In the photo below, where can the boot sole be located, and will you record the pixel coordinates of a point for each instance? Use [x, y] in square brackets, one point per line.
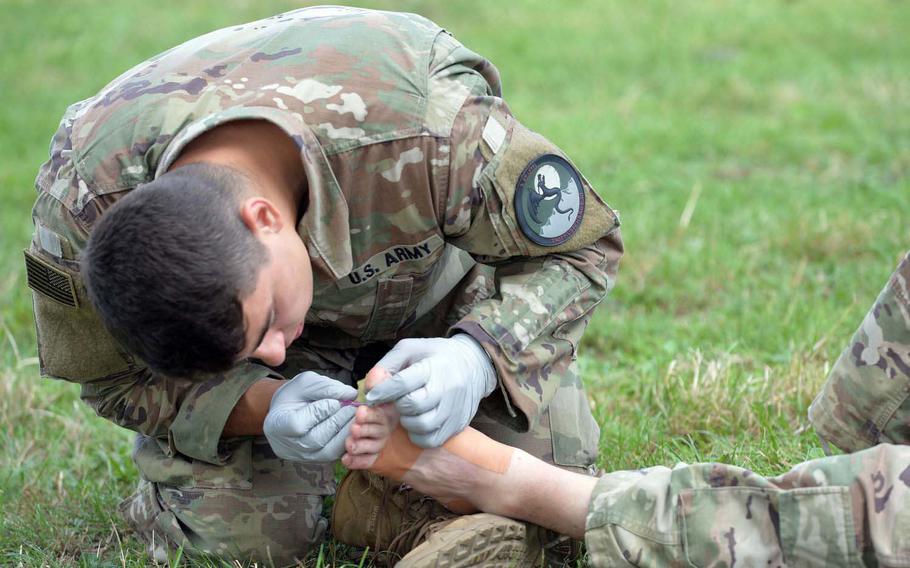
[494, 542]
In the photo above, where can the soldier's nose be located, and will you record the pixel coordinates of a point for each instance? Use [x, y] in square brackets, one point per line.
[271, 351]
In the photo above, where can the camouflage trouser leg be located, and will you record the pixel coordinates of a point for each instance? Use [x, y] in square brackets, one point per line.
[847, 510]
[255, 507]
[866, 399]
[566, 434]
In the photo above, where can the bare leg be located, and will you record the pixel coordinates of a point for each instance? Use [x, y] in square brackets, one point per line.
[470, 468]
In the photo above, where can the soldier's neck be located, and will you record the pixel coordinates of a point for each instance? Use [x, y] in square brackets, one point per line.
[263, 152]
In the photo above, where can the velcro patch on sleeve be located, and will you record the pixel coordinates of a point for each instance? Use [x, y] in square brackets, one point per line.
[494, 134]
[50, 281]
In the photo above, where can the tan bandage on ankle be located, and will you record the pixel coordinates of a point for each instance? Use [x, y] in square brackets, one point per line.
[480, 450]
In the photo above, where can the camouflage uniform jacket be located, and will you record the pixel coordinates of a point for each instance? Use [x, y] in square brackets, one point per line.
[413, 163]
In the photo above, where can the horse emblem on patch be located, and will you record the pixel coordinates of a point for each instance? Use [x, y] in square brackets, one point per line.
[549, 200]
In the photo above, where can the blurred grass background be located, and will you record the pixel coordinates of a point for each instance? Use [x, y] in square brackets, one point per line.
[758, 153]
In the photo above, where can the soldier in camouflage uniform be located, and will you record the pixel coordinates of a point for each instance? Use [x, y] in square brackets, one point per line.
[845, 510]
[431, 211]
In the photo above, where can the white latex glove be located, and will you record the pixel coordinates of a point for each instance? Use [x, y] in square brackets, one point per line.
[436, 385]
[306, 421]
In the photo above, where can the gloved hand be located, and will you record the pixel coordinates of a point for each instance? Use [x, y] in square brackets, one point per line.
[436, 385]
[306, 421]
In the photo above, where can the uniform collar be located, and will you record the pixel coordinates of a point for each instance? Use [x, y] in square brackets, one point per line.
[324, 227]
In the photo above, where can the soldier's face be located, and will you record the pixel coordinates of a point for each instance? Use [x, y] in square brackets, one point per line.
[275, 311]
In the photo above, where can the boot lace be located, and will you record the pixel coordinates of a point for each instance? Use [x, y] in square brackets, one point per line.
[422, 517]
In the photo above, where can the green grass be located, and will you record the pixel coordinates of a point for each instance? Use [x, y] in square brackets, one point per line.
[758, 152]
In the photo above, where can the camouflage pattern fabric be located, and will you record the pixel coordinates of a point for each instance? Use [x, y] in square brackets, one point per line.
[848, 510]
[251, 507]
[566, 433]
[255, 508]
[864, 401]
[412, 160]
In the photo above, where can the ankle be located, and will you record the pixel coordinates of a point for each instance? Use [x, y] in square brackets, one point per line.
[502, 493]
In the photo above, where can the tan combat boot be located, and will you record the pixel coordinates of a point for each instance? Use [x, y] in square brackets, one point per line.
[400, 523]
[384, 515]
[481, 540]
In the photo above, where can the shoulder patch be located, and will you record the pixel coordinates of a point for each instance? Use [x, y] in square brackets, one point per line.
[49, 281]
[549, 200]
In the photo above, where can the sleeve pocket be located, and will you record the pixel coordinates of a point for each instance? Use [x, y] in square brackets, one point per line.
[539, 201]
[72, 343]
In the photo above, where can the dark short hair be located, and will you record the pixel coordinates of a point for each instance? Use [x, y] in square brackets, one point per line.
[168, 265]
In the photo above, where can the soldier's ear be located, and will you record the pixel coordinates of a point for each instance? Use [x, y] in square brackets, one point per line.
[260, 216]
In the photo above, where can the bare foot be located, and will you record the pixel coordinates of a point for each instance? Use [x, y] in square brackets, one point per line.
[372, 428]
[454, 473]
[469, 472]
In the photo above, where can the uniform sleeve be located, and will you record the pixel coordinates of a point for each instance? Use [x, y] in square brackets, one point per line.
[74, 346]
[517, 202]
